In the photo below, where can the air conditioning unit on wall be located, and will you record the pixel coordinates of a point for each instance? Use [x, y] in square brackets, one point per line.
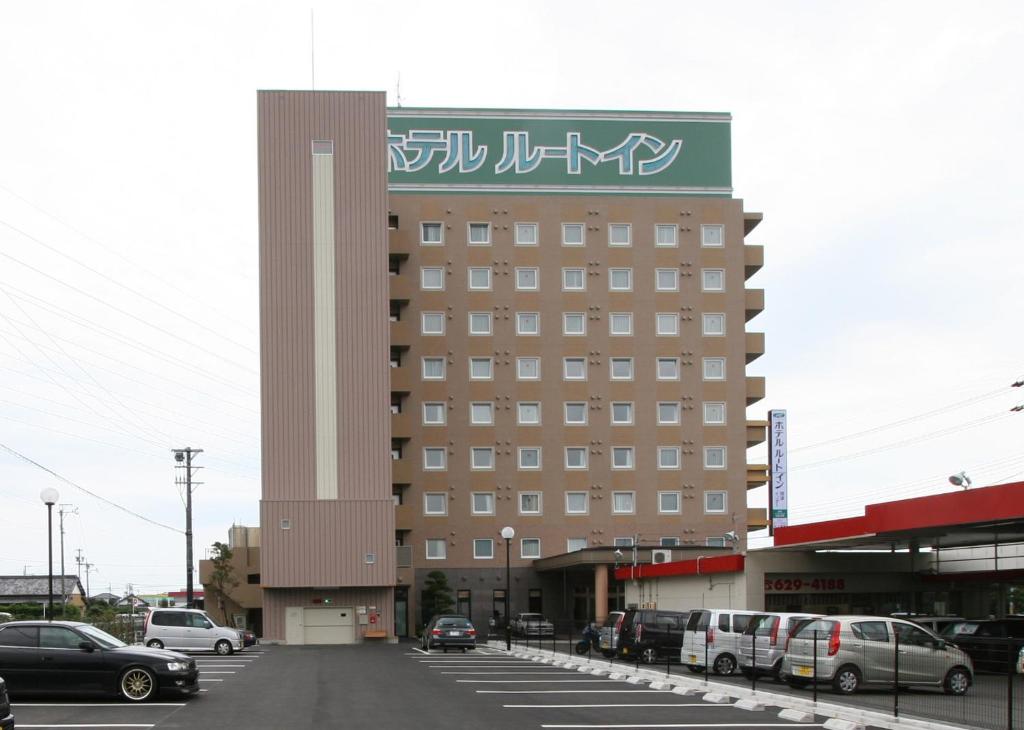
[661, 556]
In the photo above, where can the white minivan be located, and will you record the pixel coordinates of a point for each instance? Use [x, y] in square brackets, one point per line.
[711, 639]
[189, 629]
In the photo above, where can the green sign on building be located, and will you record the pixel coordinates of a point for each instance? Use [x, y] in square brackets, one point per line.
[510, 151]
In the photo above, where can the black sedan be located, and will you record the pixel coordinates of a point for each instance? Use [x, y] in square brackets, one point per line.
[67, 656]
[449, 631]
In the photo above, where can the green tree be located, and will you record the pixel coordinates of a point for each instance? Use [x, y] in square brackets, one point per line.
[222, 577]
[437, 594]
[72, 612]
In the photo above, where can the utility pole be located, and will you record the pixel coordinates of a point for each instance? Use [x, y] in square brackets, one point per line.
[80, 561]
[70, 509]
[183, 459]
[88, 569]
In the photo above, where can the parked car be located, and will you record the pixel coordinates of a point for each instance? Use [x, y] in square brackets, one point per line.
[449, 631]
[189, 629]
[532, 624]
[651, 633]
[992, 644]
[935, 624]
[712, 639]
[858, 651]
[248, 638]
[766, 634]
[609, 639]
[6, 718]
[69, 656]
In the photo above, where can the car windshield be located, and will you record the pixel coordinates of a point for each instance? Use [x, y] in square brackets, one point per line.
[960, 628]
[101, 637]
[612, 620]
[459, 623]
[823, 627]
[532, 617]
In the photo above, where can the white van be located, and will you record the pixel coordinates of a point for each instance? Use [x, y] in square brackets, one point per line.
[712, 639]
[189, 629]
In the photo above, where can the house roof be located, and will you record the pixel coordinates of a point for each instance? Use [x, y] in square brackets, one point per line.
[36, 585]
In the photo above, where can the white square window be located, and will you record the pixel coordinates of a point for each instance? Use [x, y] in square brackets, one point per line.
[622, 414]
[572, 234]
[481, 368]
[666, 279]
[715, 502]
[714, 368]
[483, 503]
[527, 323]
[668, 502]
[623, 503]
[712, 236]
[668, 368]
[621, 368]
[577, 503]
[620, 324]
[481, 457]
[435, 503]
[528, 414]
[714, 542]
[575, 457]
[434, 458]
[529, 548]
[666, 324]
[432, 323]
[479, 234]
[620, 279]
[712, 279]
[714, 414]
[574, 324]
[481, 414]
[714, 457]
[526, 234]
[622, 457]
[433, 414]
[574, 368]
[528, 368]
[479, 278]
[527, 278]
[529, 457]
[666, 235]
[713, 325]
[619, 234]
[431, 234]
[431, 278]
[668, 457]
[529, 503]
[575, 414]
[573, 544]
[483, 549]
[573, 280]
[668, 413]
[479, 323]
[433, 368]
[436, 549]
[622, 542]
[669, 542]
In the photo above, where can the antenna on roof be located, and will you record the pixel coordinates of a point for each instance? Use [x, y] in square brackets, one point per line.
[398, 91]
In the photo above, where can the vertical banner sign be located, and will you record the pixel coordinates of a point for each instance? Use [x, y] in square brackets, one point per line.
[778, 470]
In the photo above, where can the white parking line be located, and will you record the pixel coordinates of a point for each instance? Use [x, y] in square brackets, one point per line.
[94, 704]
[419, 650]
[539, 681]
[567, 691]
[220, 666]
[210, 680]
[638, 704]
[744, 725]
[205, 672]
[86, 725]
[500, 674]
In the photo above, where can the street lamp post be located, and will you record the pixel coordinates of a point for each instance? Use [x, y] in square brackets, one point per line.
[508, 533]
[50, 496]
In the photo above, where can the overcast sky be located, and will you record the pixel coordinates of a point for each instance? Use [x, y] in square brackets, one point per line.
[882, 141]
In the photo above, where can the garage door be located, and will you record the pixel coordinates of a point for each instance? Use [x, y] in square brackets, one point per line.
[328, 625]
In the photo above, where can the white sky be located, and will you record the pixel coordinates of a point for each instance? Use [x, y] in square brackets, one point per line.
[882, 141]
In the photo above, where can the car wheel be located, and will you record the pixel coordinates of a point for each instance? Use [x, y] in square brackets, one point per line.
[725, 665]
[223, 647]
[649, 655]
[847, 680]
[155, 644]
[137, 684]
[957, 681]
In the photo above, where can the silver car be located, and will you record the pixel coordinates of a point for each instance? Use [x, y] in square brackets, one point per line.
[532, 624]
[767, 633]
[857, 651]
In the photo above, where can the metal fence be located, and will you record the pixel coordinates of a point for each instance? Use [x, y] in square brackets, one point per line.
[976, 683]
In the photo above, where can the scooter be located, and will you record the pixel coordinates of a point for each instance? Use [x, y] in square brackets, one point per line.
[591, 639]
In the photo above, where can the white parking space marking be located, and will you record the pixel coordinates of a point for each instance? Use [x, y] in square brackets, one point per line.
[419, 650]
[221, 666]
[87, 725]
[744, 725]
[568, 691]
[228, 672]
[639, 704]
[540, 681]
[93, 704]
[210, 680]
[501, 674]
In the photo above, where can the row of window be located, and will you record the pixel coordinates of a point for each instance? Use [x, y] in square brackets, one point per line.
[527, 278]
[481, 324]
[573, 368]
[435, 504]
[481, 458]
[528, 413]
[478, 233]
[530, 547]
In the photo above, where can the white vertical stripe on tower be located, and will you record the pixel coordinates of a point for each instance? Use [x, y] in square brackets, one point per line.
[324, 332]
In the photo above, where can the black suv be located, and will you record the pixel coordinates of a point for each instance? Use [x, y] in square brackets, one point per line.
[651, 634]
[992, 644]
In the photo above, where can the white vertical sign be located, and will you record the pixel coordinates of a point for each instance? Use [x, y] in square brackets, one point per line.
[778, 469]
